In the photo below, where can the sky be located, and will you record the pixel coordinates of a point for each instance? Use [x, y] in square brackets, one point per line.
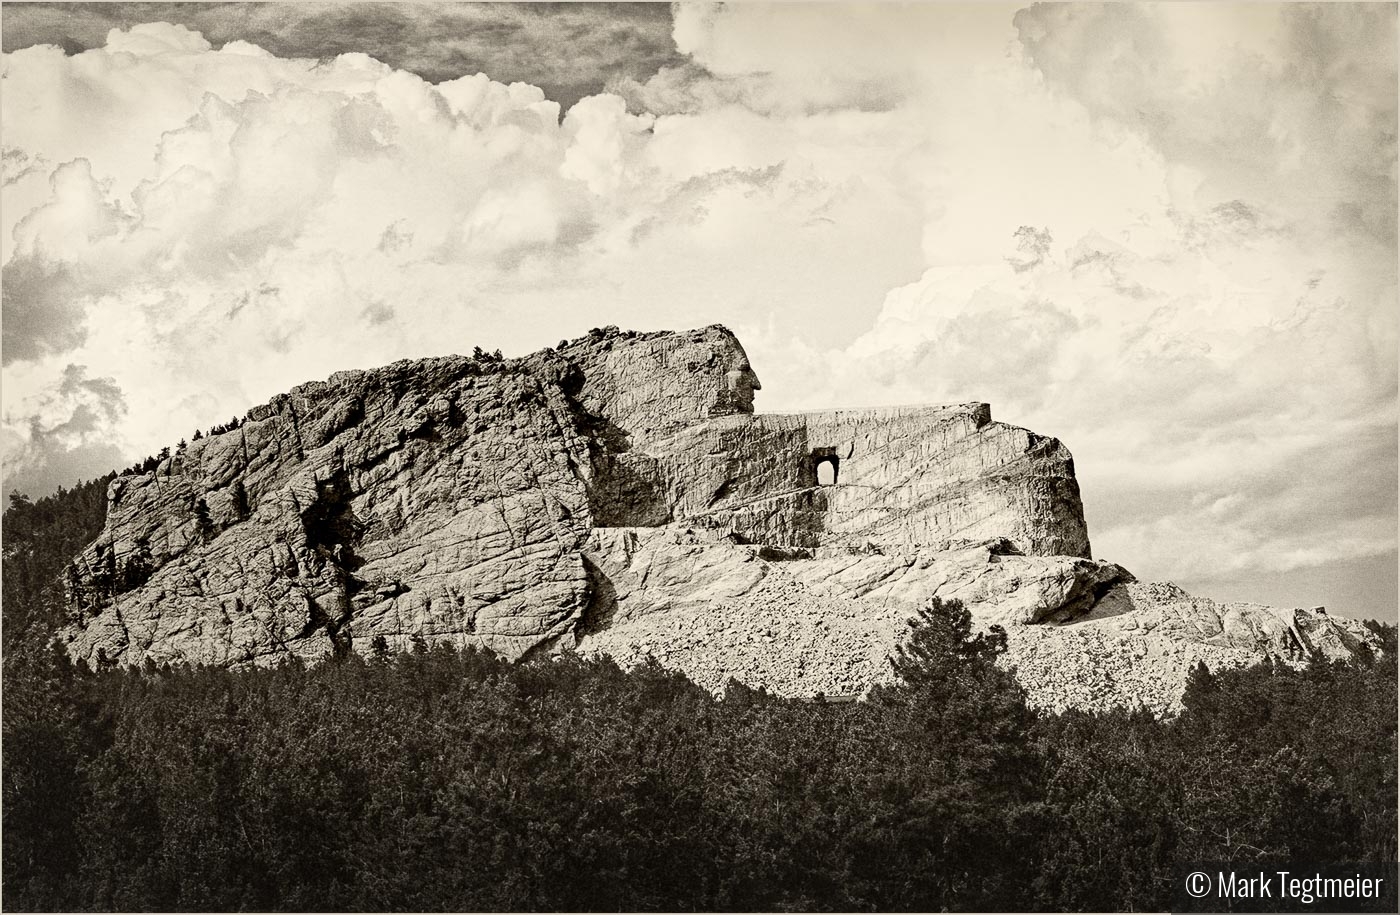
[1163, 233]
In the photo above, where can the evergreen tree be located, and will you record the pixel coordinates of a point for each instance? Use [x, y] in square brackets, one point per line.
[203, 524]
[943, 644]
[239, 498]
[136, 570]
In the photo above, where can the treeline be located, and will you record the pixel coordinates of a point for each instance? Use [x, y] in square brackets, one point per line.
[443, 780]
[40, 538]
[152, 462]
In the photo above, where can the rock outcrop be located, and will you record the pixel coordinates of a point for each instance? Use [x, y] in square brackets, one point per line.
[1082, 633]
[618, 493]
[1139, 642]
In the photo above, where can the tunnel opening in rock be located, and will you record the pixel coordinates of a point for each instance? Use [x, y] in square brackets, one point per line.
[826, 464]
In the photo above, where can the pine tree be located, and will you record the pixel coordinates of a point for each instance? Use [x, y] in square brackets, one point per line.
[943, 644]
[1202, 693]
[239, 496]
[204, 525]
[74, 582]
[137, 568]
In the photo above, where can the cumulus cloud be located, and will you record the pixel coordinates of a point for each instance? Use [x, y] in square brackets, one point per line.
[806, 58]
[64, 434]
[568, 50]
[1164, 234]
[41, 313]
[1292, 104]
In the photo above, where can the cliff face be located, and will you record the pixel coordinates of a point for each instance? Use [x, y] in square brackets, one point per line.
[902, 478]
[440, 497]
[507, 503]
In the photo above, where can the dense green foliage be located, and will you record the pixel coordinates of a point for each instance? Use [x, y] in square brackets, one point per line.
[447, 780]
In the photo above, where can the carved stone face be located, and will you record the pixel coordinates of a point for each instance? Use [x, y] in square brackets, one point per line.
[740, 381]
[649, 385]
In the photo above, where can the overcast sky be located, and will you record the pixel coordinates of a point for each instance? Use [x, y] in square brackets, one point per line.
[1162, 233]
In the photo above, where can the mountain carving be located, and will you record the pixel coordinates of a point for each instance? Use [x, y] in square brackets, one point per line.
[618, 493]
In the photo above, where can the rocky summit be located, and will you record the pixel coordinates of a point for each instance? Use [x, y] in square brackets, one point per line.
[618, 494]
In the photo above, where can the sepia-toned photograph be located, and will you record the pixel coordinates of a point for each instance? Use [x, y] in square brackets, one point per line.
[721, 457]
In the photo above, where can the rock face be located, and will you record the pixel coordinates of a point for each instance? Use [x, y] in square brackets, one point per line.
[617, 493]
[904, 478]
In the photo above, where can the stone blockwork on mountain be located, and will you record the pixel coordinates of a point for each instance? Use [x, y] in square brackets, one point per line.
[617, 493]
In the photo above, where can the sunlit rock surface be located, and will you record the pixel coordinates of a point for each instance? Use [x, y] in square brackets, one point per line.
[618, 494]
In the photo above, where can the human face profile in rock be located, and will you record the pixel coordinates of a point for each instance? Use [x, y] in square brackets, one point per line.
[740, 384]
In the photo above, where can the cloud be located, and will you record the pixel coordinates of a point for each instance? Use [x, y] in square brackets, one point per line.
[52, 259]
[41, 313]
[1293, 104]
[64, 435]
[807, 58]
[569, 50]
